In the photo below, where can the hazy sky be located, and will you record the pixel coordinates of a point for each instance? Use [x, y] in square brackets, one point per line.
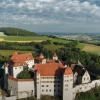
[51, 15]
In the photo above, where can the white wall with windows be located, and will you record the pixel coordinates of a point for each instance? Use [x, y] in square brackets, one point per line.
[51, 85]
[17, 70]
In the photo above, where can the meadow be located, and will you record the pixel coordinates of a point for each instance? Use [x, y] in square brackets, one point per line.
[38, 39]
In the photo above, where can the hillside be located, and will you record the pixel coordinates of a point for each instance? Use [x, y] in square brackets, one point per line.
[16, 32]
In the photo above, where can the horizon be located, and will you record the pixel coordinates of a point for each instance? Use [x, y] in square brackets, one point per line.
[50, 32]
[71, 16]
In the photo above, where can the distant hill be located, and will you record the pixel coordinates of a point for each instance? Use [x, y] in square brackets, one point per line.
[17, 32]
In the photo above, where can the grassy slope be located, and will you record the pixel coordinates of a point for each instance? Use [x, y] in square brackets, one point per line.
[30, 39]
[16, 32]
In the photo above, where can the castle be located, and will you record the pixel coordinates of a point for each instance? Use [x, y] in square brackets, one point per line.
[51, 77]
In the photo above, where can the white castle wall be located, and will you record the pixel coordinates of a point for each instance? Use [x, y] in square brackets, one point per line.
[85, 87]
[17, 70]
[50, 85]
[21, 88]
[68, 87]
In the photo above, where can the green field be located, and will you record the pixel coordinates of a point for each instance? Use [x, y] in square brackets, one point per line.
[85, 47]
[31, 39]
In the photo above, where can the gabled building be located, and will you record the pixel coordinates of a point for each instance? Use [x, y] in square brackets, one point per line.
[18, 62]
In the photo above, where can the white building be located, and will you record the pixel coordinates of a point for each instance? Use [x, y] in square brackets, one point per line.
[18, 62]
[22, 88]
[50, 78]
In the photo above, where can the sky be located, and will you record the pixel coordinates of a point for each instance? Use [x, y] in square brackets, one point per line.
[82, 16]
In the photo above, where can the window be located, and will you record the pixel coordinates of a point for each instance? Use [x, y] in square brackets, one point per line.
[46, 85]
[67, 80]
[42, 90]
[66, 85]
[42, 85]
[87, 78]
[50, 90]
[46, 90]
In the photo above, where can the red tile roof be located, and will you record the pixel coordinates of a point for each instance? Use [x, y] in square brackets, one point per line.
[21, 57]
[52, 69]
[49, 69]
[68, 71]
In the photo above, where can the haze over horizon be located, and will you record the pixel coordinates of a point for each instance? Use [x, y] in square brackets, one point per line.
[51, 15]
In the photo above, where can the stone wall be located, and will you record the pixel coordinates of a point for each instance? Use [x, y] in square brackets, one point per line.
[22, 88]
[85, 87]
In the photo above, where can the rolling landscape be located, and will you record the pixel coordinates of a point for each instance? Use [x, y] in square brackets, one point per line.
[22, 36]
[70, 48]
[49, 49]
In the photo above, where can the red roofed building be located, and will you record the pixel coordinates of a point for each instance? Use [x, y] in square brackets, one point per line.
[18, 62]
[50, 78]
[49, 69]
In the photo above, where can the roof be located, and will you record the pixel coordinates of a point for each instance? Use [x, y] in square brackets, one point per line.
[55, 55]
[49, 69]
[19, 64]
[79, 69]
[40, 57]
[21, 57]
[68, 71]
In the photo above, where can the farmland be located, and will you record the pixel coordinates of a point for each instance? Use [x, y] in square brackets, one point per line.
[91, 48]
[38, 39]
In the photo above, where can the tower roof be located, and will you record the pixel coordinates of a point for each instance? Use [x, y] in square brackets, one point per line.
[68, 71]
[41, 56]
[55, 55]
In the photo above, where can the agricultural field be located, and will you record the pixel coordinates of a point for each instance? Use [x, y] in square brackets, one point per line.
[23, 39]
[91, 48]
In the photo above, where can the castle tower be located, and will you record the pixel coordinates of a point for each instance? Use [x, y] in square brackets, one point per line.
[55, 57]
[68, 84]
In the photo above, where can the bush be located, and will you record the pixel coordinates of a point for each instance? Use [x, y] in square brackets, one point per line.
[24, 75]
